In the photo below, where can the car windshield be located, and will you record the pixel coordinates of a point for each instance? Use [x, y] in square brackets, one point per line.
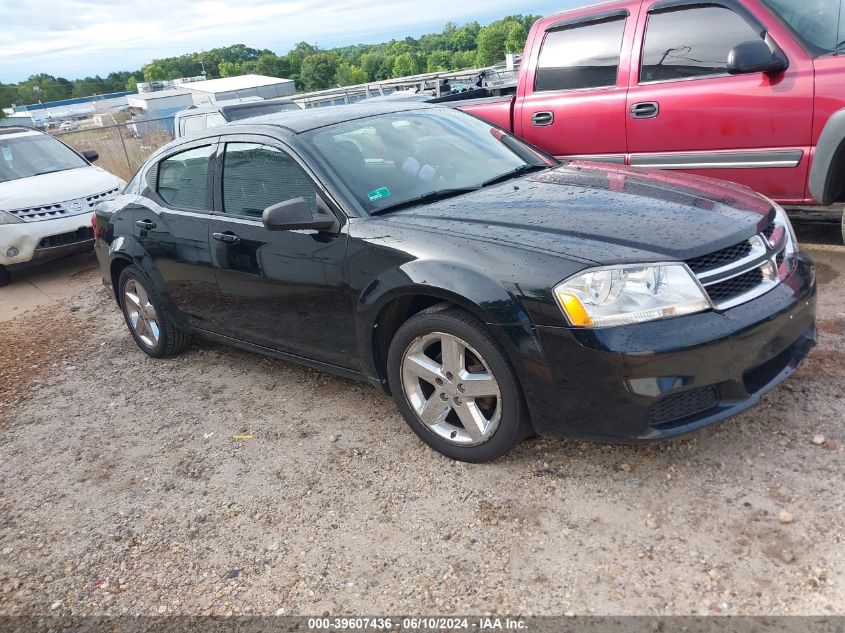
[34, 154]
[236, 114]
[392, 160]
[817, 23]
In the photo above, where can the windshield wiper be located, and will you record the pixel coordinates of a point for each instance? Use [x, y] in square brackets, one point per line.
[426, 198]
[522, 169]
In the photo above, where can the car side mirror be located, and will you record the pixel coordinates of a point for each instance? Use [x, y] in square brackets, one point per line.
[296, 215]
[754, 57]
[90, 155]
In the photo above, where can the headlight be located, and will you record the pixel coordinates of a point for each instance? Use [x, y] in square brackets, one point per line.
[781, 219]
[620, 295]
[8, 218]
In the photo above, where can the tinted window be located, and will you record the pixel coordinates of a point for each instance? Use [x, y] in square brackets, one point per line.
[581, 56]
[692, 42]
[817, 23]
[182, 179]
[257, 176]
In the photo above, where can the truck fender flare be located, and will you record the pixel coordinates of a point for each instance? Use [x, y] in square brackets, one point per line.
[829, 155]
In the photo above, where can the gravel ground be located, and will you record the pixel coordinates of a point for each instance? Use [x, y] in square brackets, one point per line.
[223, 482]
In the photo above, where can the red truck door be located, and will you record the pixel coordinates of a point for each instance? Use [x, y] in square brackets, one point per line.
[571, 97]
[684, 111]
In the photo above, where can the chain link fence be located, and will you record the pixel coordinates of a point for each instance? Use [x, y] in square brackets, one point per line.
[122, 147]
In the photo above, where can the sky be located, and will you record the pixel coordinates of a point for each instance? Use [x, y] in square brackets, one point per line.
[78, 38]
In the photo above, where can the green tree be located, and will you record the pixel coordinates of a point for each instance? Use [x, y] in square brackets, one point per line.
[349, 75]
[8, 95]
[503, 36]
[437, 61]
[131, 85]
[377, 65]
[229, 69]
[154, 72]
[405, 65]
[272, 65]
[318, 71]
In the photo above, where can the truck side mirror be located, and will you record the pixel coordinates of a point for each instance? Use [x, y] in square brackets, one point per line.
[296, 215]
[754, 57]
[90, 155]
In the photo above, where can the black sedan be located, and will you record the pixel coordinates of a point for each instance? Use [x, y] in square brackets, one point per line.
[494, 292]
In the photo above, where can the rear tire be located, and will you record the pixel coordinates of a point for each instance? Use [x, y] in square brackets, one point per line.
[149, 321]
[5, 276]
[455, 386]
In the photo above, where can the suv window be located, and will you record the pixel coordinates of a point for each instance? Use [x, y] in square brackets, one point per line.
[183, 178]
[817, 23]
[191, 124]
[691, 42]
[580, 56]
[258, 176]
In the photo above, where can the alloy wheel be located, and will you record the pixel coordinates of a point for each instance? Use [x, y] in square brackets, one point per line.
[141, 314]
[451, 389]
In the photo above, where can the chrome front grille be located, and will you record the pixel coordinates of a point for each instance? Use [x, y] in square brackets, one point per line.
[62, 209]
[746, 270]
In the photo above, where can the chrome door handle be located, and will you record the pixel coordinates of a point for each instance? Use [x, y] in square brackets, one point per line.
[645, 110]
[147, 225]
[226, 238]
[542, 119]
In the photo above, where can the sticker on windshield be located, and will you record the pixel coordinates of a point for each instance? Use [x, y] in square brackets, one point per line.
[379, 194]
[7, 154]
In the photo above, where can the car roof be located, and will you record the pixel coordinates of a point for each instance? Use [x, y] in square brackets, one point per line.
[313, 118]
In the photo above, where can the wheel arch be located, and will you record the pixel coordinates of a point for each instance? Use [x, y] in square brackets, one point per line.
[125, 252]
[827, 172]
[383, 307]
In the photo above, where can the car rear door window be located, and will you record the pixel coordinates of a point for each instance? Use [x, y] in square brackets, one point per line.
[580, 56]
[691, 42]
[183, 179]
[258, 176]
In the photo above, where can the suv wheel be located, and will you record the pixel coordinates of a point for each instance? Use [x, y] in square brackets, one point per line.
[5, 276]
[455, 387]
[149, 322]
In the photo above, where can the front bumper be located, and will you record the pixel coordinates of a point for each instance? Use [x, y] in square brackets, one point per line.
[47, 239]
[665, 378]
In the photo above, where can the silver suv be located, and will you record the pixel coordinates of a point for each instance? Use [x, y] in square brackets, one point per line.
[198, 118]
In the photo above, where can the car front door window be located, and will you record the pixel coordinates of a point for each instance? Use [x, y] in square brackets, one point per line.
[257, 176]
[689, 43]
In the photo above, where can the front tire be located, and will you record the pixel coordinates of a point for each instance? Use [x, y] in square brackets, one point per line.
[5, 276]
[149, 322]
[455, 386]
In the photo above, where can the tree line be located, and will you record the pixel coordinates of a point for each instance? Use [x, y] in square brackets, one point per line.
[313, 68]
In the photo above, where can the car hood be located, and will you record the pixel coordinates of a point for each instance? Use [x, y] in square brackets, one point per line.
[602, 213]
[59, 186]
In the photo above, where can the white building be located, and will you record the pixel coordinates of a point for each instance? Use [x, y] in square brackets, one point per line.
[165, 101]
[234, 88]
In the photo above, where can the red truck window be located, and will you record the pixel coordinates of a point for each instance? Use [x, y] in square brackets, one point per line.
[580, 56]
[687, 43]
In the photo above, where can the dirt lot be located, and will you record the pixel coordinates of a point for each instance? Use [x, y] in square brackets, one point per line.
[126, 490]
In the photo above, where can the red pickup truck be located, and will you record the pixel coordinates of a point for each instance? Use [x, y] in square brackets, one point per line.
[746, 90]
